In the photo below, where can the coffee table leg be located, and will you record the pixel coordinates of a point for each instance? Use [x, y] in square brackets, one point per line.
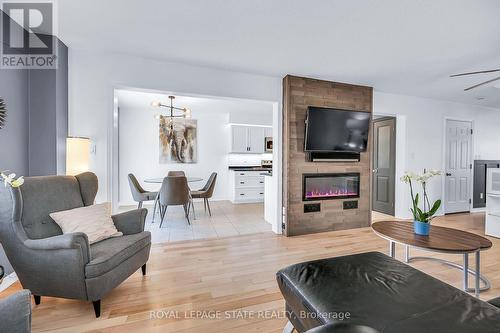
[478, 271]
[407, 254]
[392, 249]
[466, 271]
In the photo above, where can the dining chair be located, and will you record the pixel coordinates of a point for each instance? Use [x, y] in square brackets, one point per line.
[139, 194]
[174, 191]
[176, 174]
[206, 192]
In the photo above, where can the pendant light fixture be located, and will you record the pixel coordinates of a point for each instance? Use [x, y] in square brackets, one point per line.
[175, 112]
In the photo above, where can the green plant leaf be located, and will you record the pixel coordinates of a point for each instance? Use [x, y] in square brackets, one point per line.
[416, 199]
[435, 207]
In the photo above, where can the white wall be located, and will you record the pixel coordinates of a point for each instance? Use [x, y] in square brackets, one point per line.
[424, 147]
[139, 150]
[139, 147]
[95, 75]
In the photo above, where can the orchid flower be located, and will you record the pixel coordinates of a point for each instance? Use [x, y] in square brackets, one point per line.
[11, 180]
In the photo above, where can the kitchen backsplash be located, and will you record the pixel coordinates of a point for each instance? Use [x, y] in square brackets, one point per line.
[247, 159]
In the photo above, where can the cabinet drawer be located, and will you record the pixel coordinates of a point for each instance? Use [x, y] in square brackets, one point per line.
[249, 194]
[248, 174]
[249, 182]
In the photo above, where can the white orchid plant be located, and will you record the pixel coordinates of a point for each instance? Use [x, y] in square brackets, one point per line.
[10, 179]
[427, 213]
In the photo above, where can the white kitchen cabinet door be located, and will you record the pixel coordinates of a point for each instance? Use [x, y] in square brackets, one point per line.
[256, 139]
[268, 132]
[239, 142]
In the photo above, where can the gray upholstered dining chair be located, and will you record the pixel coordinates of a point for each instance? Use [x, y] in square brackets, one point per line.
[174, 191]
[139, 194]
[15, 313]
[176, 174]
[50, 263]
[206, 192]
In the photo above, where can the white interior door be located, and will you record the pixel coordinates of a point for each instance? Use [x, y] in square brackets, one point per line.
[458, 166]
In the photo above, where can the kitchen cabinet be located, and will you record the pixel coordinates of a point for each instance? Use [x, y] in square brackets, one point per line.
[256, 140]
[246, 186]
[247, 139]
[239, 139]
[268, 132]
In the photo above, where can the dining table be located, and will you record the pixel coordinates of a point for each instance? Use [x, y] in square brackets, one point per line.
[159, 180]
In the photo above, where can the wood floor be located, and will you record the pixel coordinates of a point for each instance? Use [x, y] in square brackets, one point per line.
[230, 274]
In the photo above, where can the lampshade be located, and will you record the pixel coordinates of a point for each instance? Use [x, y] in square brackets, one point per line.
[77, 155]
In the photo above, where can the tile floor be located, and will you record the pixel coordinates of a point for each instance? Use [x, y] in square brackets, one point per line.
[227, 220]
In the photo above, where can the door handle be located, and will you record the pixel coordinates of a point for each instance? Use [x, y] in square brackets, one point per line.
[375, 170]
[448, 174]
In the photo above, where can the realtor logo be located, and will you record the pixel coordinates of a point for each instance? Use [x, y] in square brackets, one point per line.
[28, 35]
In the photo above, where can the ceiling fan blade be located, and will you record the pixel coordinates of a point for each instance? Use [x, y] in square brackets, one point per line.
[482, 84]
[478, 72]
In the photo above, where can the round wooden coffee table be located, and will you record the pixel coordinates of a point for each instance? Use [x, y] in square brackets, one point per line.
[440, 239]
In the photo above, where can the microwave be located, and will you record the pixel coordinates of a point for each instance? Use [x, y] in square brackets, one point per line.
[493, 182]
[269, 144]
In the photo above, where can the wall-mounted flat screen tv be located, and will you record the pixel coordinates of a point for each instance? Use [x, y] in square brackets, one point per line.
[335, 130]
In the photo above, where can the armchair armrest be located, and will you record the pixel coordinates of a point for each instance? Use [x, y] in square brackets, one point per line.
[76, 240]
[131, 222]
[15, 312]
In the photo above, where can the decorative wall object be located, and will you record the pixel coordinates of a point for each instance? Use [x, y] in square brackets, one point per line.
[3, 113]
[178, 140]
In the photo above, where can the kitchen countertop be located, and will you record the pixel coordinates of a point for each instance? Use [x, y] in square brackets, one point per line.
[250, 168]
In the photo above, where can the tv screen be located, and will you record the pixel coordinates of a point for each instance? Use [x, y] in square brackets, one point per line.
[335, 130]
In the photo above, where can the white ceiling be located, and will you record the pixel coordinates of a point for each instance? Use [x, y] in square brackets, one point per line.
[141, 100]
[400, 46]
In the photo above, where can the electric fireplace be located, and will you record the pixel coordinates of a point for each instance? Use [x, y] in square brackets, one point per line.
[327, 186]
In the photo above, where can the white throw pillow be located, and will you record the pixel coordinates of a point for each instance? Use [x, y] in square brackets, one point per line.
[95, 221]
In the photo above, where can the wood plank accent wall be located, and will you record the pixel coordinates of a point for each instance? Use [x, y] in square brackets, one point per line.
[298, 94]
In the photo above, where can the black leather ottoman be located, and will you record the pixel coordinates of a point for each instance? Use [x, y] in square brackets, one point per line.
[377, 291]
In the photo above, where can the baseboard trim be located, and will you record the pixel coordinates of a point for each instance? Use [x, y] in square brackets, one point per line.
[8, 281]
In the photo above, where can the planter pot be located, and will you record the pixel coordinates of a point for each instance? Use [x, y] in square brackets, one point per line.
[421, 228]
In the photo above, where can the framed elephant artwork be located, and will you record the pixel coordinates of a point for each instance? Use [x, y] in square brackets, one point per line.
[178, 140]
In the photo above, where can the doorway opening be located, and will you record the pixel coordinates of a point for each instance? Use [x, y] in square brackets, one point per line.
[458, 166]
[384, 166]
[143, 148]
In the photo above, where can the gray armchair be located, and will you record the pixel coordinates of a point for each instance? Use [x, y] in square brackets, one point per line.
[50, 263]
[15, 313]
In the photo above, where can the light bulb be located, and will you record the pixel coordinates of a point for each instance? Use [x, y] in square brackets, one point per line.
[156, 104]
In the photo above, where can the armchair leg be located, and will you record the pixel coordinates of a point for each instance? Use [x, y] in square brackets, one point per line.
[37, 299]
[205, 204]
[143, 270]
[97, 308]
[139, 206]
